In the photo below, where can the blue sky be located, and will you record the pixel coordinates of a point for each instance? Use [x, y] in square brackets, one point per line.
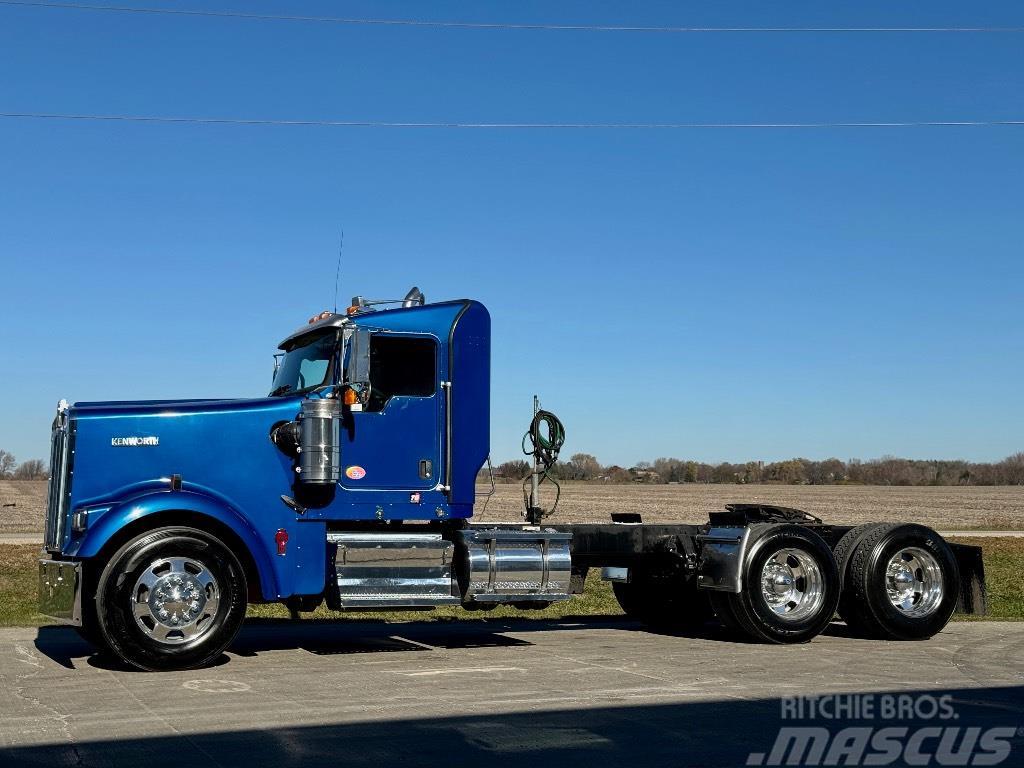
[714, 294]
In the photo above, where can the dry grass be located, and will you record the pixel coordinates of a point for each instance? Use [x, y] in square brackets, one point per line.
[947, 508]
[19, 586]
[1004, 562]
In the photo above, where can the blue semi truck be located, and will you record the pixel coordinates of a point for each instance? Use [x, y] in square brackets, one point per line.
[353, 483]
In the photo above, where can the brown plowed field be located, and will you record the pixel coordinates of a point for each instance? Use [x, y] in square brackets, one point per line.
[941, 507]
[22, 503]
[948, 508]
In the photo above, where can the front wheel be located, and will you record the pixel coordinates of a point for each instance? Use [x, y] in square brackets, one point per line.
[790, 587]
[173, 598]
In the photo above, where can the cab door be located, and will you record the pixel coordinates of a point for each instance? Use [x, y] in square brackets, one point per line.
[394, 443]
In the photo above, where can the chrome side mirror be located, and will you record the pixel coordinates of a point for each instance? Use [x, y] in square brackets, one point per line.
[357, 358]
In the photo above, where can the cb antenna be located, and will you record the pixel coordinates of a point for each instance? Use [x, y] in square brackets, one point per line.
[337, 271]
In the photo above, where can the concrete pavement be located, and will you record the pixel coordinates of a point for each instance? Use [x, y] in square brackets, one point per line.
[491, 693]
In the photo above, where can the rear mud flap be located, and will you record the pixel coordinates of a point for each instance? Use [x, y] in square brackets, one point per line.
[722, 553]
[973, 594]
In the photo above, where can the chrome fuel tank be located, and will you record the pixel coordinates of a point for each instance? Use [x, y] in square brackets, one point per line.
[501, 565]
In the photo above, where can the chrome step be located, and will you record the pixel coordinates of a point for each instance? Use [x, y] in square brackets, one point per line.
[392, 570]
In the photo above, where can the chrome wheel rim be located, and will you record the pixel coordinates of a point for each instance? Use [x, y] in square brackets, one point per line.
[913, 582]
[792, 584]
[175, 600]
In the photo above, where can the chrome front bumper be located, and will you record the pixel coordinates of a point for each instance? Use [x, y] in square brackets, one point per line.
[60, 591]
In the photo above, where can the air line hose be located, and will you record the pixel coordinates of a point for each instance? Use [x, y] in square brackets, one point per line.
[546, 436]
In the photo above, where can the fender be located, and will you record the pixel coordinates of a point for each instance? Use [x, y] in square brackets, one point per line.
[128, 511]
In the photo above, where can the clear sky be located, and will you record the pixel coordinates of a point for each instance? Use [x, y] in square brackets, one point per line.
[713, 294]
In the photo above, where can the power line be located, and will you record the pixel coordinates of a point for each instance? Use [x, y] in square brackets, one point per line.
[170, 119]
[485, 25]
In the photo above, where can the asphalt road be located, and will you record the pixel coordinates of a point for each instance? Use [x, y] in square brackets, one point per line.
[477, 693]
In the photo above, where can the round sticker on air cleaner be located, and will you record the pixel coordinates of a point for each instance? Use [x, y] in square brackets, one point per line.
[355, 472]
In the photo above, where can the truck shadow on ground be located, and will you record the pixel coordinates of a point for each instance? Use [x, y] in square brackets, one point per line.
[64, 646]
[325, 637]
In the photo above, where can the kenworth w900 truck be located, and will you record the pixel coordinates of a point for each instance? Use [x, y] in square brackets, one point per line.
[353, 482]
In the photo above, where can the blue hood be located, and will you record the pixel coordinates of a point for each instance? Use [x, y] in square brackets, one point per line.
[122, 447]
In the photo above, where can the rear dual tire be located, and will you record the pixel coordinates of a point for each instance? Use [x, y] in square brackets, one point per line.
[900, 581]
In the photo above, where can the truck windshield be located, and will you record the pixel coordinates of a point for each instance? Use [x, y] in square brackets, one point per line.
[307, 364]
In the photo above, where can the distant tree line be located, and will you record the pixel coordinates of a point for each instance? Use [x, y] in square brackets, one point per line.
[888, 470]
[10, 469]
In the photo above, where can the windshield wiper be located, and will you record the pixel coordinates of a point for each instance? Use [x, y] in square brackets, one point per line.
[281, 390]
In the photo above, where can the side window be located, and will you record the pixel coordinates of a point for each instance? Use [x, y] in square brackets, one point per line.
[312, 372]
[401, 365]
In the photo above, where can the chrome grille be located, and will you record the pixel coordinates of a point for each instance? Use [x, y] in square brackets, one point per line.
[60, 479]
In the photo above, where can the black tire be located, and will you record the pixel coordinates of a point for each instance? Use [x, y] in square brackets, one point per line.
[665, 604]
[90, 627]
[203, 570]
[722, 605]
[815, 578]
[844, 550]
[869, 610]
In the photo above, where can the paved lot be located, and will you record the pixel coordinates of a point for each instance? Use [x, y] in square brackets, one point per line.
[478, 693]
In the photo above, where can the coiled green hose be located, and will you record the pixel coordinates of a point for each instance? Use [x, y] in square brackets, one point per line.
[547, 436]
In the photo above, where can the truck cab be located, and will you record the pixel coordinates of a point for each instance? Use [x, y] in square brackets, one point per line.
[407, 380]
